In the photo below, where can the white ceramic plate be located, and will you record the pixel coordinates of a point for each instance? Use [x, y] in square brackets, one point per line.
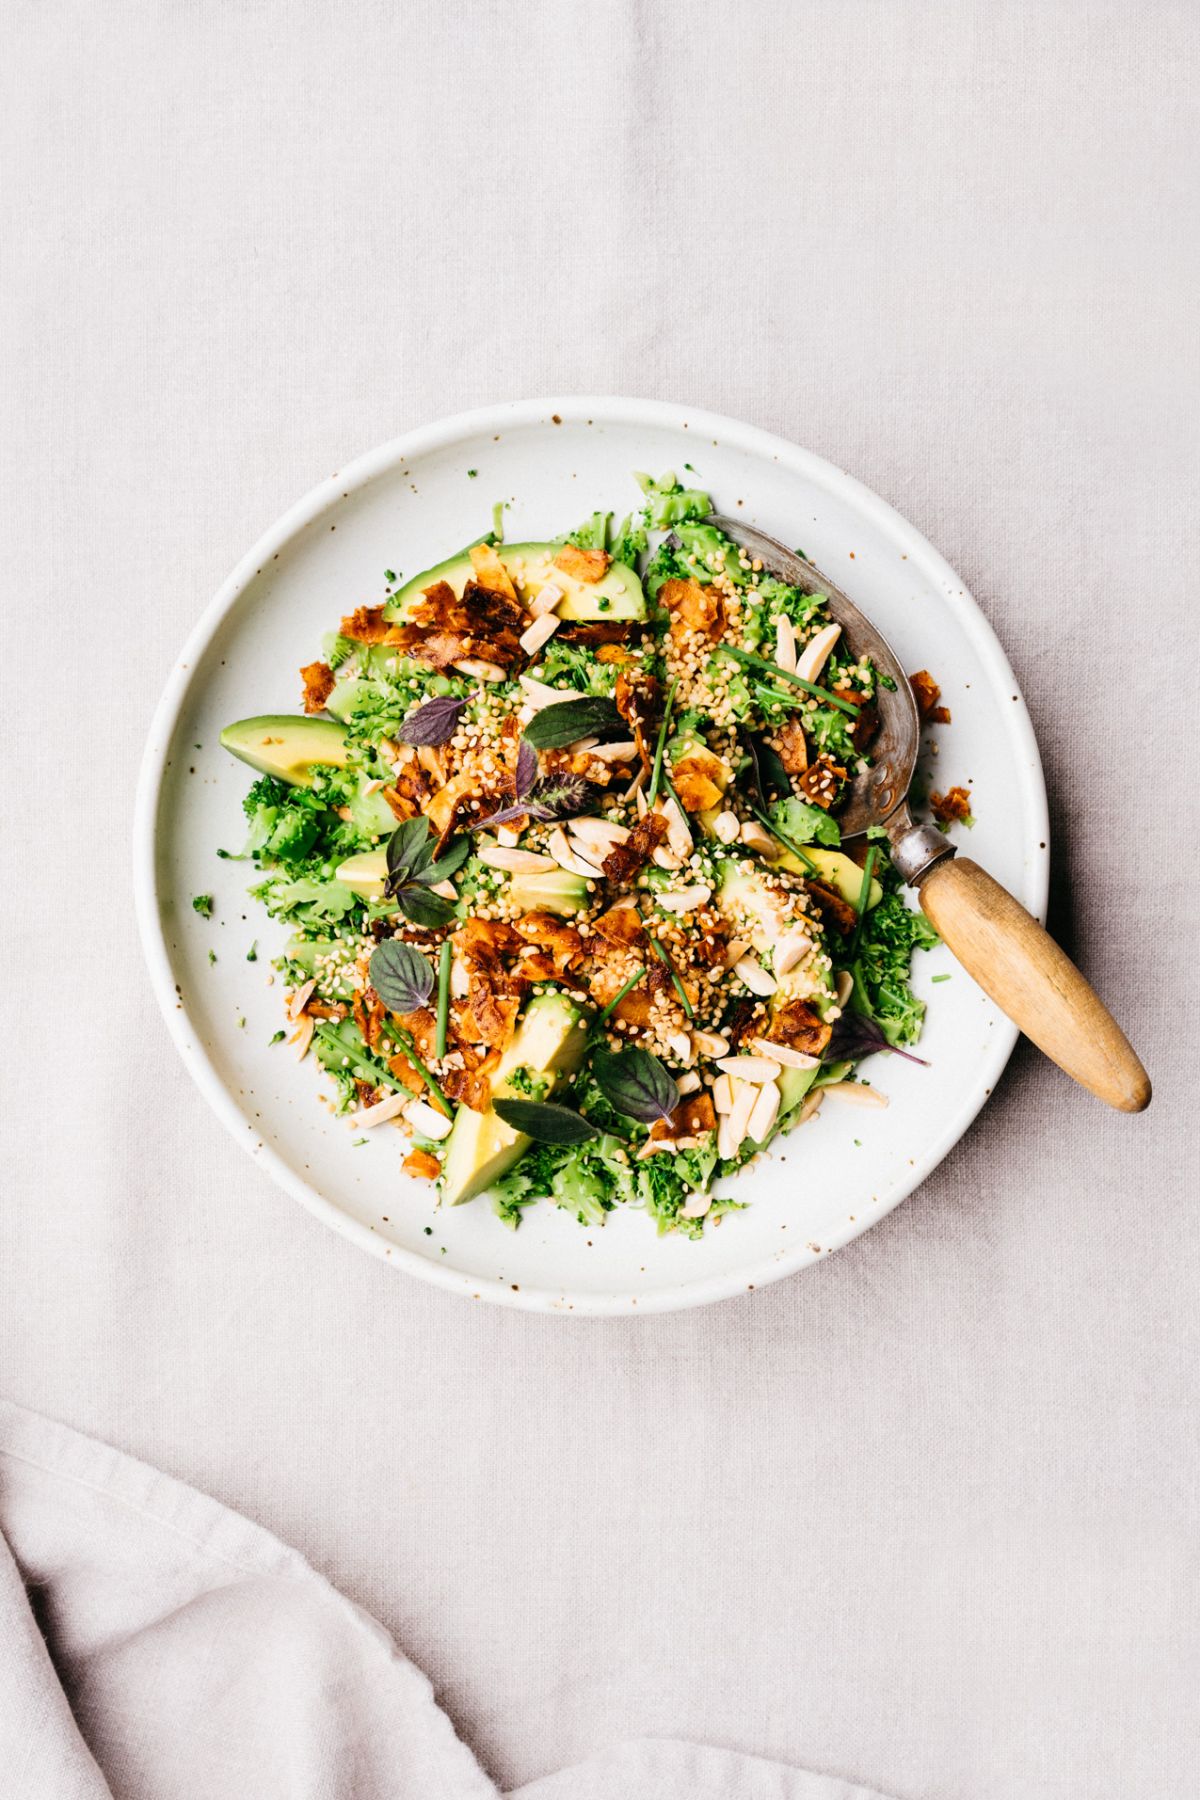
[404, 507]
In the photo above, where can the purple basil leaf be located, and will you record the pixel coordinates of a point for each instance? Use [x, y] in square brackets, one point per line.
[423, 907]
[401, 977]
[856, 1035]
[545, 1122]
[554, 797]
[527, 768]
[637, 1084]
[435, 722]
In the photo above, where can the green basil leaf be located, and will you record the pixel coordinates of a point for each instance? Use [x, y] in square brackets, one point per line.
[401, 977]
[562, 723]
[637, 1084]
[423, 906]
[448, 863]
[546, 1123]
[410, 849]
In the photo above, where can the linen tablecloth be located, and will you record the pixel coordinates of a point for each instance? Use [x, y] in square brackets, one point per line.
[926, 1516]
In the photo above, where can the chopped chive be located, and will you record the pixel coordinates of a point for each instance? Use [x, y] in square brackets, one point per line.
[252, 952]
[939, 978]
[773, 669]
[864, 894]
[618, 997]
[787, 842]
[656, 772]
[472, 473]
[443, 1000]
[279, 1037]
[678, 985]
[389, 574]
[410, 1050]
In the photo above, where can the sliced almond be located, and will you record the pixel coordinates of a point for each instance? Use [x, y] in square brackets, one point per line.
[738, 1120]
[697, 1207]
[567, 859]
[679, 836]
[685, 900]
[722, 1094]
[480, 670]
[711, 1043]
[446, 890]
[379, 1114]
[755, 976]
[460, 979]
[303, 1035]
[642, 807]
[517, 862]
[300, 999]
[679, 1044]
[635, 787]
[765, 1113]
[598, 835]
[814, 656]
[757, 837]
[734, 952]
[811, 1104]
[656, 1146]
[427, 1119]
[620, 751]
[582, 746]
[545, 600]
[687, 1084]
[539, 633]
[856, 1093]
[785, 643]
[783, 1053]
[663, 858]
[429, 757]
[750, 1068]
[845, 987]
[373, 787]
[791, 949]
[506, 837]
[726, 826]
[539, 693]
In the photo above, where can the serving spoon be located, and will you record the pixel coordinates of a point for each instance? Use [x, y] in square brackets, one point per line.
[1013, 959]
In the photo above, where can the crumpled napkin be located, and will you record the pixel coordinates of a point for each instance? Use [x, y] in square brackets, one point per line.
[155, 1646]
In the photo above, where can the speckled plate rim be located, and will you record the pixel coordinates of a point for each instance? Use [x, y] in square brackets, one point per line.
[332, 493]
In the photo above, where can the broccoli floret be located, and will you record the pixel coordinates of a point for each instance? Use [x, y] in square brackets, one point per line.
[203, 904]
[806, 824]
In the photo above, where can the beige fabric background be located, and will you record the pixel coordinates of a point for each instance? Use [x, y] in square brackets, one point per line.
[927, 1515]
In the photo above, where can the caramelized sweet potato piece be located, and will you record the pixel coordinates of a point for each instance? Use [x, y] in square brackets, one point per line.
[954, 804]
[798, 1026]
[692, 1118]
[472, 1084]
[692, 607]
[490, 572]
[366, 625]
[792, 746]
[624, 860]
[821, 782]
[319, 682]
[562, 943]
[621, 925]
[594, 632]
[422, 1164]
[692, 781]
[583, 565]
[927, 694]
[836, 913]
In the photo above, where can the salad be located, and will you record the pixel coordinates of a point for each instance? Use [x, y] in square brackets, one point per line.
[556, 840]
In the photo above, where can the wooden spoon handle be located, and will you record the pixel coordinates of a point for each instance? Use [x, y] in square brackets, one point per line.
[1023, 970]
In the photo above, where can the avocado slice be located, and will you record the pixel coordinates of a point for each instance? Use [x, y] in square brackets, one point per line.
[618, 595]
[287, 745]
[555, 891]
[364, 874]
[837, 870]
[550, 1039]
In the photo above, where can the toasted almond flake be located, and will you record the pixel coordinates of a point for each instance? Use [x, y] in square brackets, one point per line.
[766, 1111]
[635, 787]
[303, 1035]
[783, 1053]
[678, 835]
[711, 1043]
[446, 890]
[811, 1105]
[687, 1084]
[845, 987]
[814, 656]
[727, 827]
[722, 1094]
[642, 807]
[301, 998]
[539, 633]
[545, 600]
[663, 858]
[757, 837]
[696, 1207]
[620, 751]
[785, 643]
[734, 952]
[373, 787]
[582, 746]
[430, 759]
[737, 1120]
[539, 693]
[379, 1114]
[750, 1068]
[856, 1093]
[460, 980]
[726, 1147]
[479, 670]
[507, 838]
[598, 834]
[427, 1119]
[790, 950]
[679, 1045]
[685, 900]
[567, 859]
[517, 862]
[755, 976]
